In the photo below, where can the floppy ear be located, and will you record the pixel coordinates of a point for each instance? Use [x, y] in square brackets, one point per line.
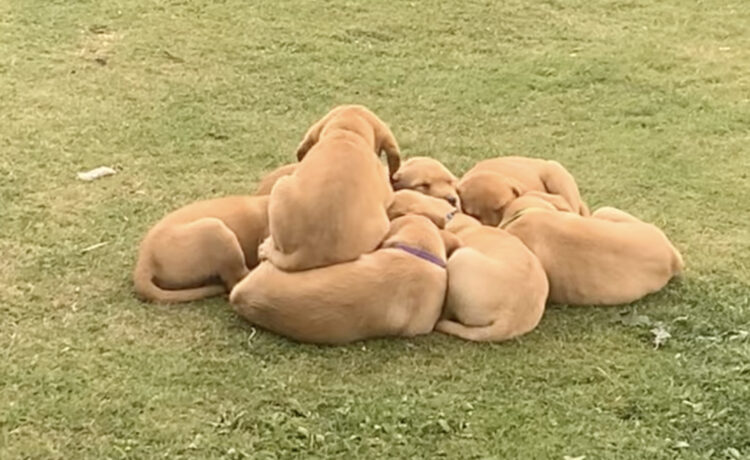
[451, 242]
[395, 181]
[516, 188]
[311, 138]
[387, 143]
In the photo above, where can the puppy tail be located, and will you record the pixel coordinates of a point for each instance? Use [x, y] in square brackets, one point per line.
[495, 332]
[146, 289]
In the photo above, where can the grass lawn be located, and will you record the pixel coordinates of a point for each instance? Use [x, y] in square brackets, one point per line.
[647, 102]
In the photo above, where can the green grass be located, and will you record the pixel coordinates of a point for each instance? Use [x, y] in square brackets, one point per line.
[645, 101]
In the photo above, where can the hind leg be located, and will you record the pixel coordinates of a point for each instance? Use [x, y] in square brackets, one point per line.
[196, 252]
[287, 262]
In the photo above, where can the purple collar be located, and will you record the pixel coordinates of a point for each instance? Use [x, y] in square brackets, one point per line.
[421, 253]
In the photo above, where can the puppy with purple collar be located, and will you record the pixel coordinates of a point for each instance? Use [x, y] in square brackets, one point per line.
[397, 290]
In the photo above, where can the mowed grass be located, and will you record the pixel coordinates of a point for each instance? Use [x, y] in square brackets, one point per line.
[647, 102]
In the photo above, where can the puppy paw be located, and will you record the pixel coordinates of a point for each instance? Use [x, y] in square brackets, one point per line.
[265, 249]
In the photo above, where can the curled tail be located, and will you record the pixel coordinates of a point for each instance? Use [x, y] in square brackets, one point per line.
[146, 289]
[495, 332]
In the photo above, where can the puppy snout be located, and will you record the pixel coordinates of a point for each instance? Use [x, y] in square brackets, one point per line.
[451, 199]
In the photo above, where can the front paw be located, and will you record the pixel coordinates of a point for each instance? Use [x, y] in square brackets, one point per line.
[265, 249]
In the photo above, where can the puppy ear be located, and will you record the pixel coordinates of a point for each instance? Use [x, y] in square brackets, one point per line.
[394, 158]
[396, 181]
[386, 142]
[311, 138]
[451, 242]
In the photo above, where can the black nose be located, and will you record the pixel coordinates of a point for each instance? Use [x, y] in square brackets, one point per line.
[451, 199]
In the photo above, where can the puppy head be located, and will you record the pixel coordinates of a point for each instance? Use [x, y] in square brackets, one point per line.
[416, 231]
[411, 202]
[484, 196]
[358, 119]
[428, 176]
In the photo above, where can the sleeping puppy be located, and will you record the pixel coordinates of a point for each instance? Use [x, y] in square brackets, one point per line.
[497, 288]
[397, 290]
[333, 208]
[269, 180]
[201, 250]
[608, 258]
[411, 202]
[491, 184]
[428, 176]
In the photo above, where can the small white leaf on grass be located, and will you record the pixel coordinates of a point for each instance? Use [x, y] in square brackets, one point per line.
[96, 173]
[252, 335]
[661, 335]
[681, 445]
[568, 457]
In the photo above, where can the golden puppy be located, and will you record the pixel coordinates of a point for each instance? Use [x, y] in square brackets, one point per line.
[497, 288]
[397, 290]
[270, 179]
[428, 176]
[201, 250]
[490, 185]
[608, 258]
[411, 202]
[333, 208]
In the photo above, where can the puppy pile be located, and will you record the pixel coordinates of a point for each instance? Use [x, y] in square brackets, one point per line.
[335, 248]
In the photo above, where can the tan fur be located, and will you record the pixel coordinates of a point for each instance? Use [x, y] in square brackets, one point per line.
[332, 209]
[412, 202]
[531, 200]
[269, 180]
[428, 176]
[388, 292]
[460, 222]
[487, 188]
[497, 288]
[608, 258]
[201, 250]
